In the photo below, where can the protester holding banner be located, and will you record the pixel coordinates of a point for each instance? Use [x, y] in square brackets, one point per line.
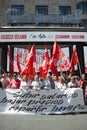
[61, 84]
[41, 79]
[36, 83]
[66, 78]
[49, 82]
[72, 83]
[15, 82]
[55, 78]
[25, 84]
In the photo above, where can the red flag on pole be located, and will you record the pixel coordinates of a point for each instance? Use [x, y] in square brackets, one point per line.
[29, 64]
[11, 60]
[31, 56]
[56, 56]
[57, 52]
[45, 65]
[74, 60]
[18, 62]
[53, 67]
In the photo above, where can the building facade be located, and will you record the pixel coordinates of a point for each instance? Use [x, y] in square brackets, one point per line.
[37, 12]
[24, 22]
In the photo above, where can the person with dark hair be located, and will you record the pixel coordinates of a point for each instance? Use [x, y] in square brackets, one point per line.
[82, 80]
[49, 82]
[15, 82]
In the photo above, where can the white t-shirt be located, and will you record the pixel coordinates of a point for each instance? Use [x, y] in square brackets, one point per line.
[24, 85]
[35, 84]
[61, 86]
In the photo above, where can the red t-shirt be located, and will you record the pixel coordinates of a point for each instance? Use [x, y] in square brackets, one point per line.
[81, 82]
[14, 84]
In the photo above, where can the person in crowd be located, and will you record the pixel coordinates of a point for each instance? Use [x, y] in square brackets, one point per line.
[82, 80]
[66, 78]
[25, 84]
[49, 82]
[83, 85]
[9, 76]
[72, 83]
[36, 83]
[15, 82]
[61, 84]
[5, 81]
[55, 78]
[77, 80]
[41, 80]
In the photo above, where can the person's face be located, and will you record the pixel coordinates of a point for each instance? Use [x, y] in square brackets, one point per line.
[15, 76]
[83, 77]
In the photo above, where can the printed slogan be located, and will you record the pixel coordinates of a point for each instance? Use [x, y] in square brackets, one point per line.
[42, 102]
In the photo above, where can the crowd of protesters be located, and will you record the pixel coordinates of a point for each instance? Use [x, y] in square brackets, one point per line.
[63, 81]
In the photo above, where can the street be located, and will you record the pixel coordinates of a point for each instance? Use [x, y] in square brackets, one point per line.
[43, 122]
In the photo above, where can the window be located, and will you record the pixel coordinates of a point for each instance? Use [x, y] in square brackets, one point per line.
[17, 10]
[65, 10]
[83, 7]
[41, 10]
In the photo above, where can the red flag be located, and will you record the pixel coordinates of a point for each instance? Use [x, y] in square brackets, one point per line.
[31, 57]
[29, 64]
[45, 65]
[57, 52]
[63, 64]
[11, 60]
[30, 72]
[56, 56]
[53, 67]
[18, 62]
[74, 59]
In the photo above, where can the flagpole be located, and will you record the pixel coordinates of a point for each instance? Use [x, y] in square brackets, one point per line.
[61, 72]
[79, 69]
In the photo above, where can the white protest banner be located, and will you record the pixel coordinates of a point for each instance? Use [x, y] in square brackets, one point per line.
[42, 102]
